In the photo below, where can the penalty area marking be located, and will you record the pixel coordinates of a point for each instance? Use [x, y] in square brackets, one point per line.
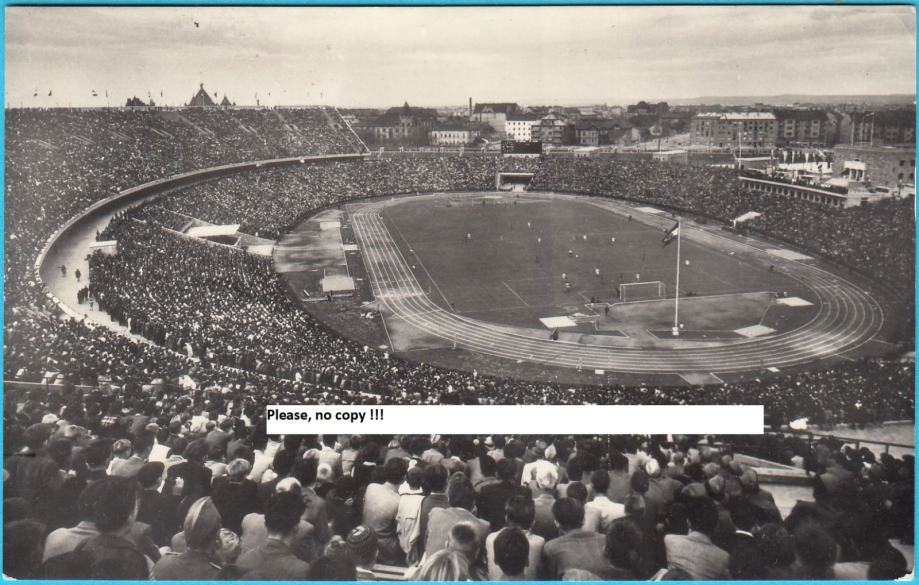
[513, 292]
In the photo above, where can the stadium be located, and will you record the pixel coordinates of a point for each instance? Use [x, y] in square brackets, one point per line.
[361, 264]
[171, 270]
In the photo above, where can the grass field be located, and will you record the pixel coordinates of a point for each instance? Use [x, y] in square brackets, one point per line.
[510, 268]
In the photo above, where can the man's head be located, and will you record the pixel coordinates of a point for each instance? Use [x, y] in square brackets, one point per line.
[415, 477]
[237, 469]
[568, 513]
[815, 549]
[435, 478]
[546, 476]
[743, 513]
[115, 504]
[362, 546]
[460, 492]
[394, 470]
[202, 525]
[143, 443]
[507, 470]
[578, 491]
[59, 450]
[599, 479]
[520, 511]
[150, 476]
[703, 515]
[282, 514]
[98, 453]
[462, 539]
[623, 544]
[227, 424]
[512, 552]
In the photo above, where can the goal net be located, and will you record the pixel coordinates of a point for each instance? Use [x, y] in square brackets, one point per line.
[636, 291]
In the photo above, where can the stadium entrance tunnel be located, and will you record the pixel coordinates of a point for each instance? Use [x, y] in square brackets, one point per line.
[513, 181]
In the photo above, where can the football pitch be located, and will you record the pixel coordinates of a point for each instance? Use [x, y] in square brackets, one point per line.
[529, 284]
[515, 260]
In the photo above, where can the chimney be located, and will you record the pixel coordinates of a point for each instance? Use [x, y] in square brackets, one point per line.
[470, 107]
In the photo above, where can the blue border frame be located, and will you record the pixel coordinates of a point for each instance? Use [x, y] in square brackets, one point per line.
[420, 3]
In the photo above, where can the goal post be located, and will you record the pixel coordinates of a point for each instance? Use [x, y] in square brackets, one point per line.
[638, 291]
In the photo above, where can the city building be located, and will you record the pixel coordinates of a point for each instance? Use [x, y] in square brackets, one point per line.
[887, 166]
[885, 127]
[805, 127]
[643, 108]
[518, 127]
[453, 134]
[600, 132]
[493, 114]
[553, 129]
[402, 125]
[755, 130]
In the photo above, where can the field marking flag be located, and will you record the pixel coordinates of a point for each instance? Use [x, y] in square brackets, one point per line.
[671, 234]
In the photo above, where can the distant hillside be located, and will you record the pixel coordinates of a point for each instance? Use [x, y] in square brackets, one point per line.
[791, 98]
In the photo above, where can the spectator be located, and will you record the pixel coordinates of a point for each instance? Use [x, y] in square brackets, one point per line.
[492, 498]
[156, 509]
[575, 548]
[815, 552]
[461, 497]
[444, 565]
[201, 529]
[381, 505]
[235, 495]
[364, 549]
[109, 555]
[22, 549]
[600, 512]
[274, 560]
[695, 553]
[511, 554]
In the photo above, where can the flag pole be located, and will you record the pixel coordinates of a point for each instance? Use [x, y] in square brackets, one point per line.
[676, 298]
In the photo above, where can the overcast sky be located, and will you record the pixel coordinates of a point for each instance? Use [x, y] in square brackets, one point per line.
[443, 56]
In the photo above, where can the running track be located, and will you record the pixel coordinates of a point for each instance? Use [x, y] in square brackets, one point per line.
[847, 318]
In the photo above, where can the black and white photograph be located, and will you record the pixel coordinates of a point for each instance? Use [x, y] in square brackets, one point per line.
[210, 210]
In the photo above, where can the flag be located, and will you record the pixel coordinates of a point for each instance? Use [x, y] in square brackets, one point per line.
[671, 234]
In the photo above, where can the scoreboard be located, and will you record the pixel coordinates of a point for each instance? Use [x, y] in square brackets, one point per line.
[512, 147]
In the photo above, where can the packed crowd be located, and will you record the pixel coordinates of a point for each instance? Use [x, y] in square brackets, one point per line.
[60, 161]
[267, 204]
[153, 483]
